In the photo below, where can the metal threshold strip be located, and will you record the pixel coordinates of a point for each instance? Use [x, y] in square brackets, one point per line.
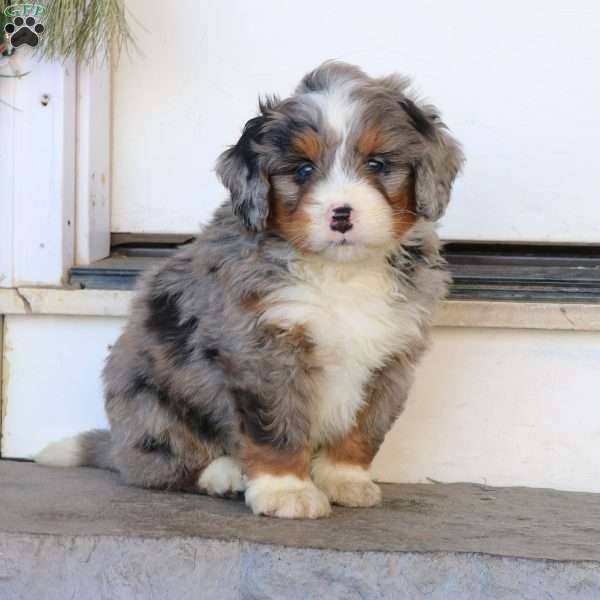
[480, 271]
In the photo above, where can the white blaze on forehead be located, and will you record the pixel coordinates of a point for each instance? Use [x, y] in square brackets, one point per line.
[340, 112]
[338, 107]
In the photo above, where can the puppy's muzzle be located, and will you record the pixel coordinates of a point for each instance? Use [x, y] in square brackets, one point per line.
[341, 218]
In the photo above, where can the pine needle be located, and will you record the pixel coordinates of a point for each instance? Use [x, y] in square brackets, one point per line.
[86, 29]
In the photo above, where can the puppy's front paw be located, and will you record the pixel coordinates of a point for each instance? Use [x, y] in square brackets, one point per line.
[346, 485]
[286, 497]
[348, 492]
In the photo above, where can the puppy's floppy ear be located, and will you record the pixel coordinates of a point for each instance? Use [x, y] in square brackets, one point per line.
[239, 168]
[437, 168]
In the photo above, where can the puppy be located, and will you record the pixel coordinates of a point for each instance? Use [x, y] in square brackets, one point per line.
[272, 356]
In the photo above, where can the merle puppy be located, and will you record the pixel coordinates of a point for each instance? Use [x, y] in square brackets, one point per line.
[272, 356]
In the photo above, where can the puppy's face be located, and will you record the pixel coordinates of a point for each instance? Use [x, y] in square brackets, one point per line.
[344, 167]
[340, 183]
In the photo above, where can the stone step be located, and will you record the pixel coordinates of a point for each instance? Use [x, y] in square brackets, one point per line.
[80, 533]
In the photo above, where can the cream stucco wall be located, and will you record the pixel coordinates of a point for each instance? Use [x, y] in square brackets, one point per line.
[495, 406]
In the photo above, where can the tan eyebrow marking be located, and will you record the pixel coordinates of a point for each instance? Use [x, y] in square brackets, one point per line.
[369, 141]
[308, 144]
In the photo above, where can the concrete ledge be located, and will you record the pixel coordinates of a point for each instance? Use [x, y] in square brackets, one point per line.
[57, 301]
[451, 313]
[554, 316]
[80, 533]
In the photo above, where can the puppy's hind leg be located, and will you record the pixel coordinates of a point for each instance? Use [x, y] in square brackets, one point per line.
[153, 449]
[222, 477]
[153, 462]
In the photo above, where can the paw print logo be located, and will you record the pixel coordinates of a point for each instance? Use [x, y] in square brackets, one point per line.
[24, 31]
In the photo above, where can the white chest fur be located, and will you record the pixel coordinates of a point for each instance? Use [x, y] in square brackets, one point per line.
[356, 317]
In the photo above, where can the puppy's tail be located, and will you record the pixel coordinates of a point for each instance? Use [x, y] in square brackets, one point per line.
[89, 449]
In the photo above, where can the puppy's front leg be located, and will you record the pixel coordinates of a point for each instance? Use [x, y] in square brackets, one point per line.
[341, 469]
[276, 462]
[279, 483]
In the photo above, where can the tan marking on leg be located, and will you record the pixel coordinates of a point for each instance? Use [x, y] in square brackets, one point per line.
[352, 449]
[341, 470]
[261, 459]
[279, 483]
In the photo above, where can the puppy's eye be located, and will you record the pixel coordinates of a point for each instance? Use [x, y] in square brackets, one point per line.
[303, 172]
[375, 165]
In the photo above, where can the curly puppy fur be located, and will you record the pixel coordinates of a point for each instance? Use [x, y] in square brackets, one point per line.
[273, 355]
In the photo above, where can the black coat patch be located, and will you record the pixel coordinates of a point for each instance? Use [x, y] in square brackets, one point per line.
[150, 444]
[204, 425]
[418, 118]
[244, 149]
[139, 384]
[254, 418]
[166, 323]
[210, 354]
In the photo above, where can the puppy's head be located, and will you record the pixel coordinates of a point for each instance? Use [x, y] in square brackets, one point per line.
[344, 167]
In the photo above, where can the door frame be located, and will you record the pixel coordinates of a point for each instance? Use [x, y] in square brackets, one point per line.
[54, 168]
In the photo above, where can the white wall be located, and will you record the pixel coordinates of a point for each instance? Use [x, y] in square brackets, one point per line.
[503, 407]
[517, 82]
[51, 378]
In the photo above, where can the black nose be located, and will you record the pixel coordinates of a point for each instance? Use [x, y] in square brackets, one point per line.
[342, 211]
[340, 220]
